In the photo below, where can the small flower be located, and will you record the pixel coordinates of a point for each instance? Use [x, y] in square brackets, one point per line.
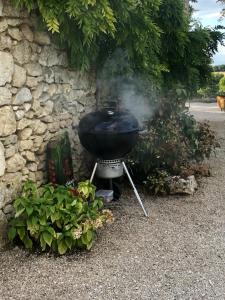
[98, 223]
[76, 233]
[108, 215]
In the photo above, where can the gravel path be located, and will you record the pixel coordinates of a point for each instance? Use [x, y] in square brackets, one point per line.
[178, 253]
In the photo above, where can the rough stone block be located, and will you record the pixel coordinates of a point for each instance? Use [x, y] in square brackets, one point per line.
[15, 163]
[7, 121]
[27, 33]
[6, 67]
[24, 95]
[19, 76]
[41, 38]
[5, 96]
[2, 160]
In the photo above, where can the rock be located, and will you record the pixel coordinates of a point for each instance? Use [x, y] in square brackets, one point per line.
[7, 121]
[25, 145]
[14, 91]
[178, 185]
[6, 67]
[25, 171]
[29, 156]
[34, 69]
[39, 176]
[28, 34]
[15, 163]
[42, 38]
[8, 209]
[19, 114]
[12, 139]
[14, 22]
[5, 42]
[32, 82]
[39, 127]
[53, 127]
[2, 160]
[44, 97]
[3, 229]
[23, 123]
[22, 52]
[3, 25]
[32, 167]
[30, 115]
[38, 92]
[49, 75]
[27, 107]
[24, 95]
[19, 76]
[62, 75]
[32, 176]
[5, 96]
[10, 151]
[1, 8]
[47, 119]
[25, 133]
[9, 10]
[46, 110]
[51, 57]
[15, 33]
[38, 142]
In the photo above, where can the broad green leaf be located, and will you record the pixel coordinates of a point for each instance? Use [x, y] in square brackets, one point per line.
[43, 243]
[27, 242]
[18, 213]
[29, 210]
[79, 207]
[51, 231]
[89, 245]
[21, 232]
[43, 220]
[89, 234]
[62, 247]
[69, 242]
[47, 238]
[12, 233]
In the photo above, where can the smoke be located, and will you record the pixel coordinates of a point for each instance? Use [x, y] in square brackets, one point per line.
[120, 88]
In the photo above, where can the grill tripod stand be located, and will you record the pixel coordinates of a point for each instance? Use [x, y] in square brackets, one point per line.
[131, 182]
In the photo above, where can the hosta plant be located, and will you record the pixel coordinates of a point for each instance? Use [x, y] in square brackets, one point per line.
[58, 217]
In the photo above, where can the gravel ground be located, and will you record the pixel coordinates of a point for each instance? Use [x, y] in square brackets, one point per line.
[178, 253]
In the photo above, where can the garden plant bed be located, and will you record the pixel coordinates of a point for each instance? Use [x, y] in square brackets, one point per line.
[177, 253]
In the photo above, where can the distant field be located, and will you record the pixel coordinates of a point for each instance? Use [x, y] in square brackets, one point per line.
[219, 73]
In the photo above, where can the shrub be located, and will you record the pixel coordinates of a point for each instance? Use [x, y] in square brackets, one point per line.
[171, 144]
[58, 217]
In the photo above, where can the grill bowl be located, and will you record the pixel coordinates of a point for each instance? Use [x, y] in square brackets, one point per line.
[108, 134]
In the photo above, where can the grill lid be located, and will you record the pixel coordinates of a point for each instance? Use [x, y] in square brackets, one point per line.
[109, 121]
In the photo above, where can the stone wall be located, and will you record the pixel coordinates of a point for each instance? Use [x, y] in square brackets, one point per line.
[40, 96]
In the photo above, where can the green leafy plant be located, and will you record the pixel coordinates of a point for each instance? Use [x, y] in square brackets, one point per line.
[58, 217]
[171, 146]
[156, 183]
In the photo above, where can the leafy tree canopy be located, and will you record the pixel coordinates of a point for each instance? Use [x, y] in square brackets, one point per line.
[158, 36]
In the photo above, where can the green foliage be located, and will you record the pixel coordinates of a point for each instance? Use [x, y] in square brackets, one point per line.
[211, 89]
[91, 30]
[156, 183]
[219, 68]
[57, 217]
[222, 85]
[157, 36]
[168, 147]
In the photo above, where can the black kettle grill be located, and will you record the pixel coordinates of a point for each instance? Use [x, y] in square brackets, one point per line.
[109, 135]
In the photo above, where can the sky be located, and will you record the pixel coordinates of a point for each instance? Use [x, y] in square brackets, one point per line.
[208, 12]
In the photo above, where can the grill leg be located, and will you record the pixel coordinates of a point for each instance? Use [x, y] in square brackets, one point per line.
[93, 172]
[135, 190]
